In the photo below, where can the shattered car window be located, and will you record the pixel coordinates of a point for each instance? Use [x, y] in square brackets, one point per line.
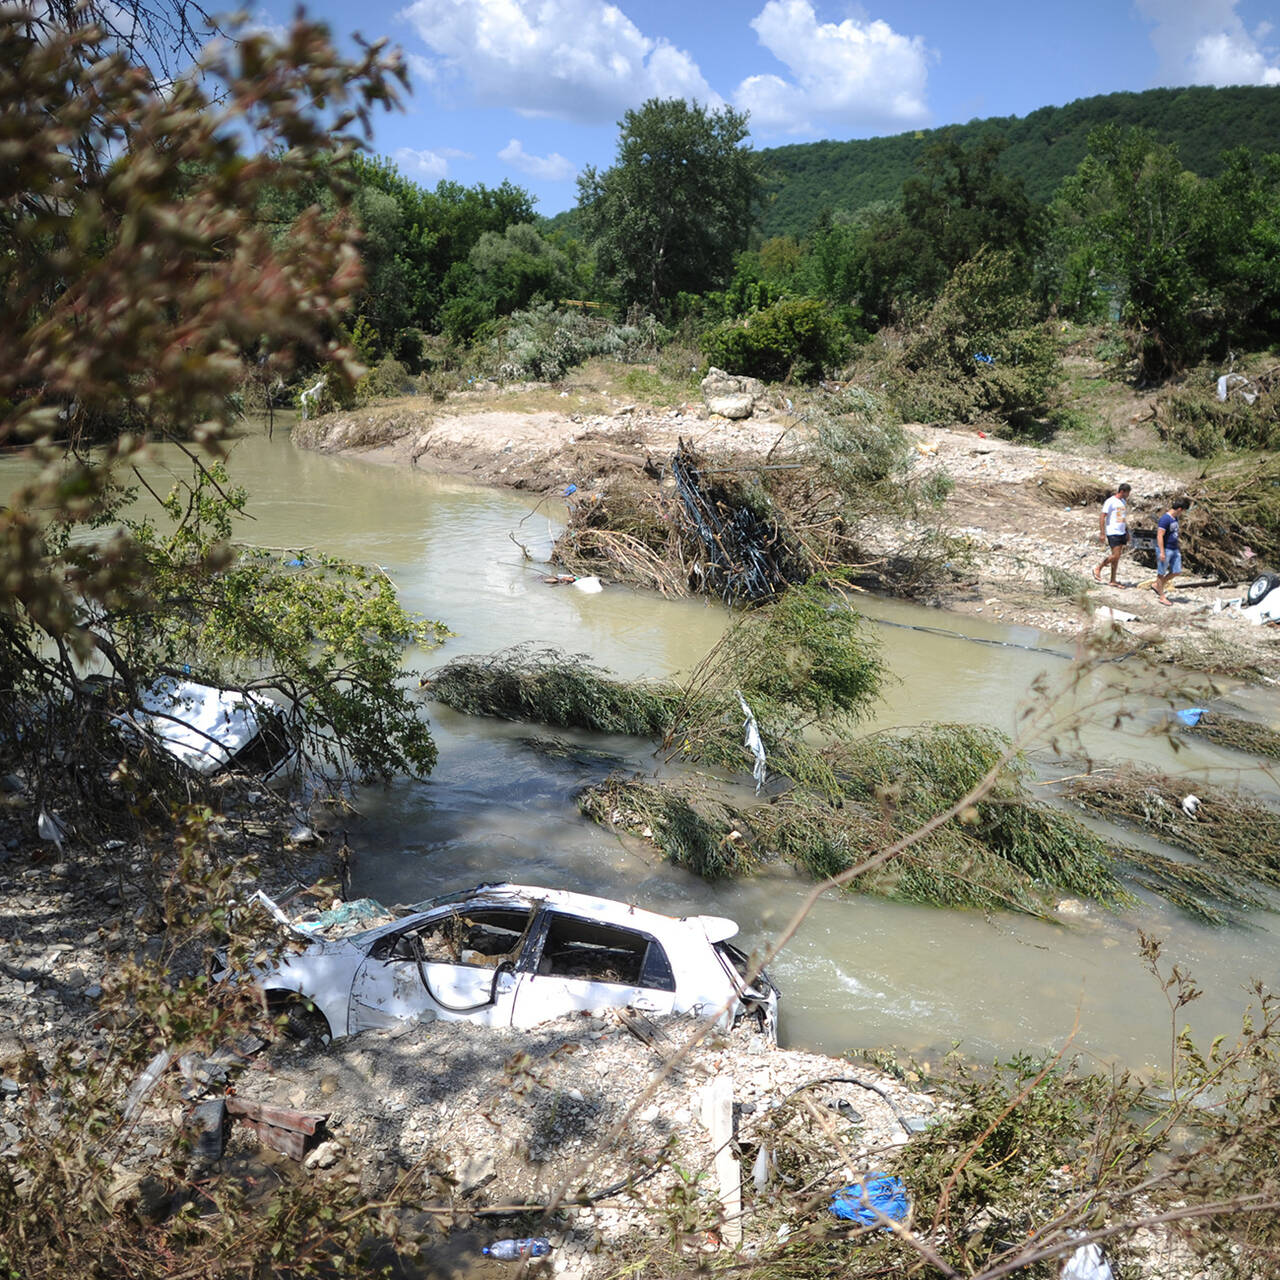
[583, 949]
[482, 939]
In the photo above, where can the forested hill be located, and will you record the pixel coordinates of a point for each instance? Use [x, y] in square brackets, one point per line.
[1043, 148]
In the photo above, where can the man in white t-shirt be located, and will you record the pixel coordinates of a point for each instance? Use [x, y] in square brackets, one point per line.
[1113, 529]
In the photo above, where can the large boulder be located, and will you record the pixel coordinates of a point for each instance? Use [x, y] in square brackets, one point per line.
[729, 395]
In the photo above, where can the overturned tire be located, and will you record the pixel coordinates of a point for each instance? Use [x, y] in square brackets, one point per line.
[1262, 586]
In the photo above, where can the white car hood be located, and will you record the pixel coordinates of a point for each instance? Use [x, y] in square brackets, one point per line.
[201, 726]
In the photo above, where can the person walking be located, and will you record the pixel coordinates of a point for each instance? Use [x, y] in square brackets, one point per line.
[1168, 549]
[1113, 529]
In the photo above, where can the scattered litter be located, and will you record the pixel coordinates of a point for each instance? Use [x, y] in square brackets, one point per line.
[1087, 1263]
[516, 1250]
[1190, 715]
[1230, 382]
[753, 743]
[761, 1168]
[280, 1128]
[870, 1202]
[51, 828]
[590, 585]
[206, 1124]
[146, 1082]
[1190, 804]
[1108, 614]
[363, 913]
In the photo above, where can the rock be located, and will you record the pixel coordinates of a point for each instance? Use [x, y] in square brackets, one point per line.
[476, 1170]
[325, 1156]
[736, 407]
[729, 395]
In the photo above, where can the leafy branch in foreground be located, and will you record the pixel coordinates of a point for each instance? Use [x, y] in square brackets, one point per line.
[1036, 1157]
[136, 281]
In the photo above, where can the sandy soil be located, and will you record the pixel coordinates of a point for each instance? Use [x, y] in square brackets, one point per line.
[1031, 555]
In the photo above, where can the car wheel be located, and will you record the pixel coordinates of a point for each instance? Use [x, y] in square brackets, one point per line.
[302, 1020]
[1261, 586]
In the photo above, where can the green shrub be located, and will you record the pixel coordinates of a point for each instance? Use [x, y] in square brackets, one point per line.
[978, 352]
[542, 343]
[386, 379]
[794, 340]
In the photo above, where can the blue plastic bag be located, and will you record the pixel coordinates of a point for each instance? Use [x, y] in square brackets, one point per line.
[865, 1202]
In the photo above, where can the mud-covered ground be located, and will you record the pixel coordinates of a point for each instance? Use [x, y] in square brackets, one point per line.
[1030, 556]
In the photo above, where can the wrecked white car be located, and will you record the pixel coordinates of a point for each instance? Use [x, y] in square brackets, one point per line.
[209, 729]
[508, 955]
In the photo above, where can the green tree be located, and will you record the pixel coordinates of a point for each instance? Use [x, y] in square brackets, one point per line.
[416, 243]
[1135, 219]
[676, 206]
[958, 204]
[1245, 211]
[504, 273]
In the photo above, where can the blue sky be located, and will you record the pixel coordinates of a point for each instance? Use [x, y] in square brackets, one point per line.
[532, 90]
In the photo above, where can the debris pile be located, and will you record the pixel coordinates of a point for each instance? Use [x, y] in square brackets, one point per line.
[1234, 838]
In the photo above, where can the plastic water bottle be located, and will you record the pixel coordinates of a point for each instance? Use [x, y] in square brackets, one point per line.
[515, 1250]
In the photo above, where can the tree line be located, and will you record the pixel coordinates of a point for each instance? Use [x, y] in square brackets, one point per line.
[1042, 148]
[1187, 263]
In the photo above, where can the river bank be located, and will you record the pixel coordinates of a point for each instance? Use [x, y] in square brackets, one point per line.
[601, 1134]
[1030, 555]
[476, 1126]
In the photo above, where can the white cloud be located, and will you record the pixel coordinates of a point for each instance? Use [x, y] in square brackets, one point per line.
[421, 68]
[1207, 42]
[428, 164]
[552, 168]
[581, 60]
[849, 74]
[261, 22]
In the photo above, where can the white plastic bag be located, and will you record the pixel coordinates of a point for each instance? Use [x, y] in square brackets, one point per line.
[1087, 1263]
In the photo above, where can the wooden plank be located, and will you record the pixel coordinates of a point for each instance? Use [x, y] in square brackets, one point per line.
[304, 1122]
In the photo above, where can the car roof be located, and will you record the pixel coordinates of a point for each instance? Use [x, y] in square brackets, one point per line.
[588, 906]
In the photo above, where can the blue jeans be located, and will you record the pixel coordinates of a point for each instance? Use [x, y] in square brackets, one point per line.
[1170, 562]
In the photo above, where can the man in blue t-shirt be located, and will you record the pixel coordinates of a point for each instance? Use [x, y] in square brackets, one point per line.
[1168, 552]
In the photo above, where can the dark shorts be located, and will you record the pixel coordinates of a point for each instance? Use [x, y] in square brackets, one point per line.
[1117, 539]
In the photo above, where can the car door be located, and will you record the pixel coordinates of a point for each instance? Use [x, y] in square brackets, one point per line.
[586, 965]
[457, 964]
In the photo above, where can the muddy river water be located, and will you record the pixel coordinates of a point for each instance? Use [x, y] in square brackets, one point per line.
[859, 972]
